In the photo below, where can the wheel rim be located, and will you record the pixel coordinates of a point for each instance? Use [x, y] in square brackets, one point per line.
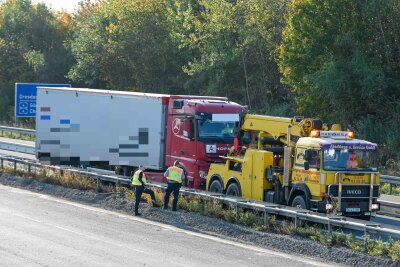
[233, 191]
[216, 187]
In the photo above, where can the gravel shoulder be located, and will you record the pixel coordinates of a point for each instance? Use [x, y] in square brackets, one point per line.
[295, 245]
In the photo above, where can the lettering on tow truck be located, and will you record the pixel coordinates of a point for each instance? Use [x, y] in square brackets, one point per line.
[354, 191]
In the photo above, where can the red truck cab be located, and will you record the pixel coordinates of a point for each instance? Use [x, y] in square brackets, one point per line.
[199, 130]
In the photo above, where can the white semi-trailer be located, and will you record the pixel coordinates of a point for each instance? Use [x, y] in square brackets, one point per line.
[117, 128]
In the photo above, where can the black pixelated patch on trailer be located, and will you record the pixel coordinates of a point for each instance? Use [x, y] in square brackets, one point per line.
[143, 136]
[139, 154]
[134, 146]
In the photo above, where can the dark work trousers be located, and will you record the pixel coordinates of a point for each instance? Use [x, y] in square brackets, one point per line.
[172, 187]
[139, 190]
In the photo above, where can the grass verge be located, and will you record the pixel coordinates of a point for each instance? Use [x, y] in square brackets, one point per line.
[12, 135]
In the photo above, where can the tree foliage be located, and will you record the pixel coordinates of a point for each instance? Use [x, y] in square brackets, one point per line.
[31, 49]
[125, 45]
[233, 46]
[342, 60]
[338, 60]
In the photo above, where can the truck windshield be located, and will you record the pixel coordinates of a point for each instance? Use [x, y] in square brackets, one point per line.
[349, 160]
[216, 131]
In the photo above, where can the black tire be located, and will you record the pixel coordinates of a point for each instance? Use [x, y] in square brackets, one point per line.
[233, 190]
[216, 187]
[299, 202]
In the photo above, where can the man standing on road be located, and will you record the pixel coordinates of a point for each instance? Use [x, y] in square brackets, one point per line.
[139, 182]
[175, 175]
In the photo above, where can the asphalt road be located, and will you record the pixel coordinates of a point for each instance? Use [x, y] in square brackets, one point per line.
[39, 230]
[32, 143]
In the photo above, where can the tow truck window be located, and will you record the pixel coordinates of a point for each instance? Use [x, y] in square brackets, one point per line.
[235, 166]
[347, 159]
[315, 159]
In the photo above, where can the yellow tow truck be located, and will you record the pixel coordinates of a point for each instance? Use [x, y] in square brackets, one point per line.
[300, 163]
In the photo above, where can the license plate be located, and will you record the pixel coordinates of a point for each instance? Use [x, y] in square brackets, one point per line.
[352, 209]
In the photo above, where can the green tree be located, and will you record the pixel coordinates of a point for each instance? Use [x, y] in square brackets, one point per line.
[31, 49]
[334, 57]
[126, 45]
[341, 58]
[232, 48]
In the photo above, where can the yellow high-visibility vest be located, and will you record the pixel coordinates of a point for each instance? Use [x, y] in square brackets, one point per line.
[135, 179]
[227, 130]
[175, 174]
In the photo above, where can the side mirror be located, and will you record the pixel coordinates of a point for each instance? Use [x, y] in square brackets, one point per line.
[308, 155]
[306, 165]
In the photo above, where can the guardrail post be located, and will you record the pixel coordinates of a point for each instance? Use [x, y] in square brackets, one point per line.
[2, 163]
[15, 167]
[97, 183]
[329, 226]
[29, 168]
[266, 217]
[391, 189]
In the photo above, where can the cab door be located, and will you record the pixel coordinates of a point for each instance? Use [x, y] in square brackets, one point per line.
[247, 175]
[262, 160]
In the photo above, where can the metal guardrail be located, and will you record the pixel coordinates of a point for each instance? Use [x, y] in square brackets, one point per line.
[17, 130]
[390, 179]
[18, 147]
[266, 208]
[389, 208]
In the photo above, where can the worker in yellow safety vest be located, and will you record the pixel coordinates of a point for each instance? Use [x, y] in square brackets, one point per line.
[228, 129]
[139, 182]
[175, 176]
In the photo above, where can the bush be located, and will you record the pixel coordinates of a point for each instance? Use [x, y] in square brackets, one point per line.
[394, 251]
[196, 205]
[377, 248]
[385, 189]
[286, 228]
[248, 218]
[230, 215]
[215, 209]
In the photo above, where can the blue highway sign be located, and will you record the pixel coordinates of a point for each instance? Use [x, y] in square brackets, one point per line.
[25, 97]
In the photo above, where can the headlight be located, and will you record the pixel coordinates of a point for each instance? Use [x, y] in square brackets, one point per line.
[328, 206]
[375, 206]
[203, 174]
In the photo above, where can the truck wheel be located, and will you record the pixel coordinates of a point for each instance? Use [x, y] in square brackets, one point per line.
[233, 190]
[216, 187]
[299, 202]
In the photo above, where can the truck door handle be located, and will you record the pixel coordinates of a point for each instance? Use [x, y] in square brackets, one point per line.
[181, 152]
